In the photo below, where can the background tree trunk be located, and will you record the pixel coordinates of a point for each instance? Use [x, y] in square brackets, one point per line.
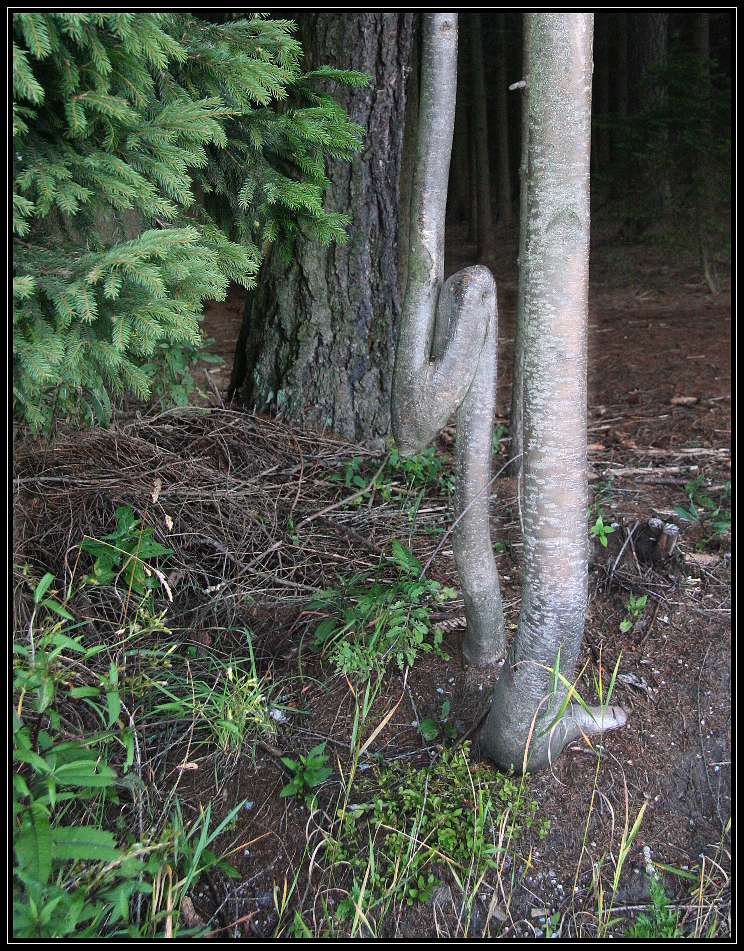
[502, 136]
[601, 95]
[704, 209]
[554, 580]
[622, 64]
[317, 340]
[648, 46]
[458, 191]
[480, 122]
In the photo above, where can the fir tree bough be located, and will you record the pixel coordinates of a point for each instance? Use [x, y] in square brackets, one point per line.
[117, 119]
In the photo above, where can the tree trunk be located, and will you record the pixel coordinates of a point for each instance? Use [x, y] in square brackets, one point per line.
[516, 420]
[702, 37]
[622, 64]
[601, 96]
[480, 120]
[317, 340]
[447, 347]
[648, 46]
[519, 731]
[502, 137]
[458, 191]
[704, 195]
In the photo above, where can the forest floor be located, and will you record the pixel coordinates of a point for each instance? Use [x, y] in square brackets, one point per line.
[253, 545]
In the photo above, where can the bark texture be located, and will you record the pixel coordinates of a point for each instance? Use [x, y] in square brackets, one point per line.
[446, 353]
[648, 45]
[519, 730]
[317, 340]
[515, 421]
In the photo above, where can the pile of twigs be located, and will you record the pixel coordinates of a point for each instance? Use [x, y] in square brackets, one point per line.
[244, 501]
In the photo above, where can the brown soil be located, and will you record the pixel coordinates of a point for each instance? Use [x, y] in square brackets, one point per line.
[654, 336]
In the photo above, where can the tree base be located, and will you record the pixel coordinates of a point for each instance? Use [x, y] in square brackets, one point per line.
[478, 654]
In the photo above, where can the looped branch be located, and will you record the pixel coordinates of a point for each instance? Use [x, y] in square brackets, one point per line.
[447, 348]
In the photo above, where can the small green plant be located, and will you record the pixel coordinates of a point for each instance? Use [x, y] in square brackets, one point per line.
[601, 530]
[368, 624]
[132, 546]
[553, 925]
[309, 771]
[635, 607]
[352, 477]
[662, 922]
[702, 508]
[449, 813]
[228, 700]
[422, 889]
[75, 873]
[419, 473]
[170, 370]
[425, 469]
[499, 433]
[429, 729]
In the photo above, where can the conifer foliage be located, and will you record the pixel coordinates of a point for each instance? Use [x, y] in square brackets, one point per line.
[116, 117]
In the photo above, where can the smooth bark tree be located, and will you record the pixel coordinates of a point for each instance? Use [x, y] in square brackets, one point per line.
[447, 347]
[525, 727]
[317, 340]
[515, 419]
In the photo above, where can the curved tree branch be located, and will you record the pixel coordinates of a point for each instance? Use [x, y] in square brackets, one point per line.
[446, 354]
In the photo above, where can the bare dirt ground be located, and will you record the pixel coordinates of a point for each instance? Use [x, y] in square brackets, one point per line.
[659, 418]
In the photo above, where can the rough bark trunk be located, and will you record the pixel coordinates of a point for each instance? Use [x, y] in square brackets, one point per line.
[317, 340]
[446, 353]
[648, 46]
[516, 443]
[519, 731]
[480, 121]
[502, 137]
